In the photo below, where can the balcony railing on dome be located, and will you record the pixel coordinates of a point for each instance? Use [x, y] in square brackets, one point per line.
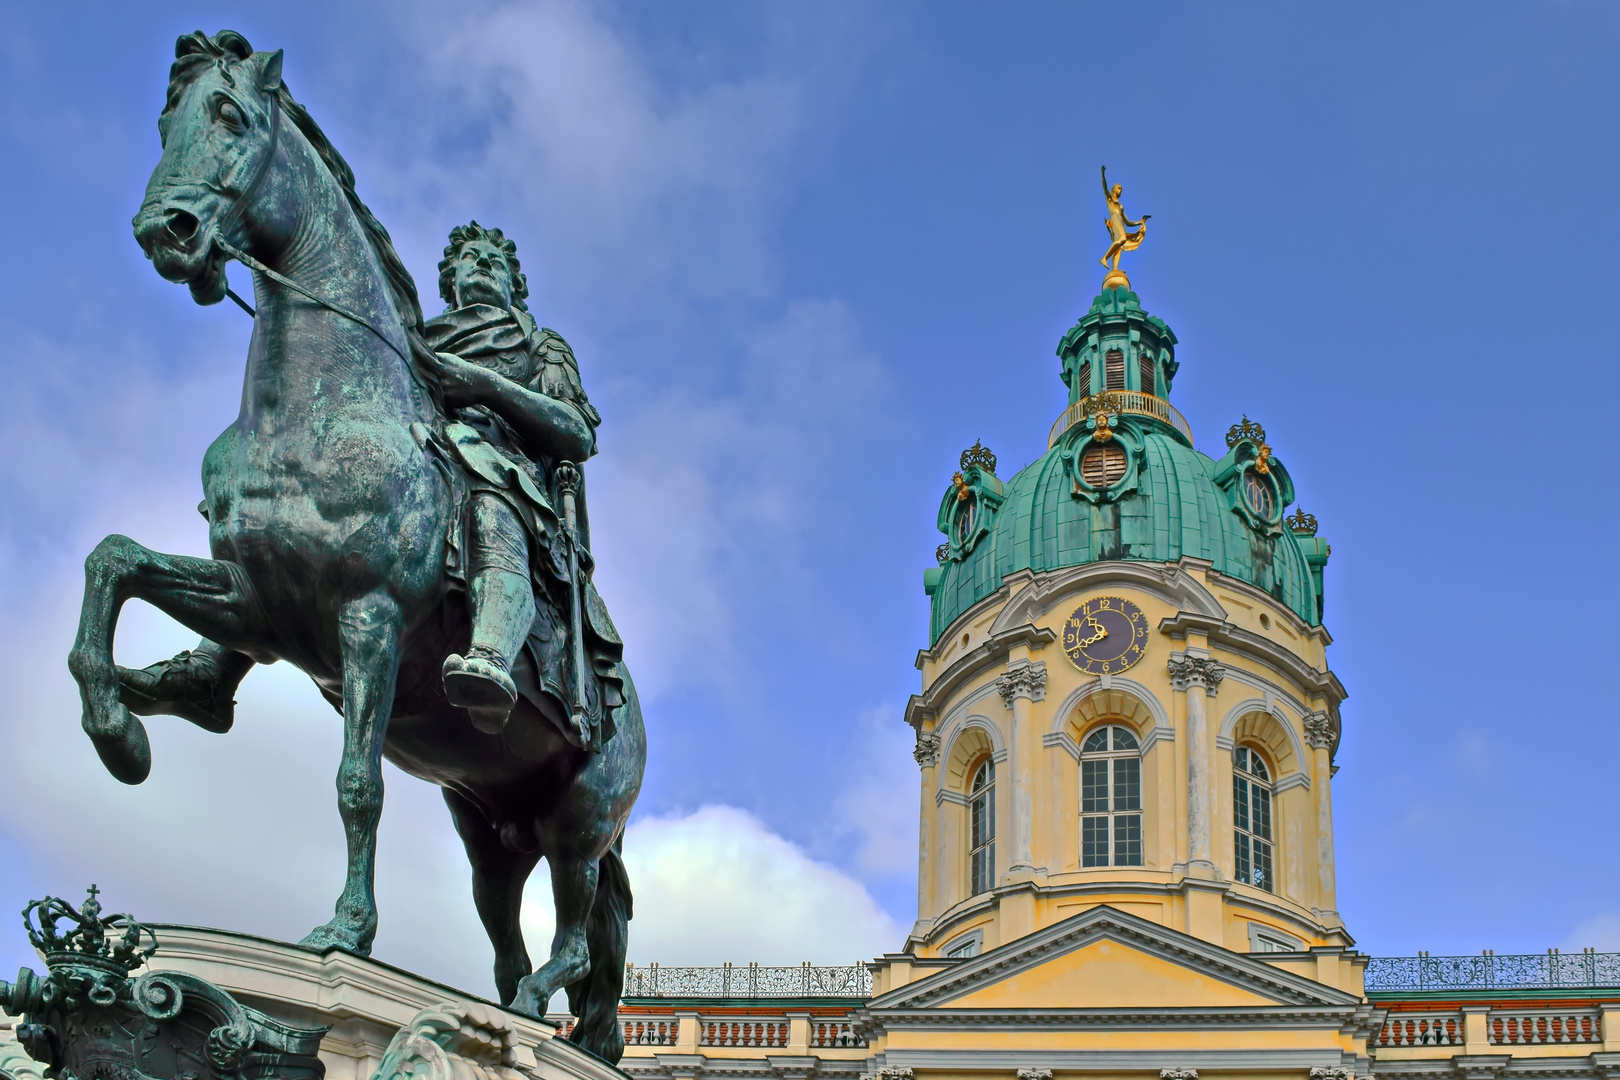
[750, 981]
[1131, 402]
[1488, 971]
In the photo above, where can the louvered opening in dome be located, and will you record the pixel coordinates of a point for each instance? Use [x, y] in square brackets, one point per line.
[1114, 370]
[1082, 379]
[1144, 367]
[1102, 464]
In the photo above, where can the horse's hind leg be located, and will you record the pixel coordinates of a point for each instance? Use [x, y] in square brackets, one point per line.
[594, 1000]
[573, 888]
[206, 595]
[498, 875]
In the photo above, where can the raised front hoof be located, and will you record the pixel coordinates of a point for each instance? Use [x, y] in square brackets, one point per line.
[483, 688]
[183, 687]
[123, 747]
[337, 935]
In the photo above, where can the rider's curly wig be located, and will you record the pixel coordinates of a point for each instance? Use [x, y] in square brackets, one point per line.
[464, 234]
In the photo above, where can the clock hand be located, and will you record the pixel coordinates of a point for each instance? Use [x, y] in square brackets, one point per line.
[1101, 633]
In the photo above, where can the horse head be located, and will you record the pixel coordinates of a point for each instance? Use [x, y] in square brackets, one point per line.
[220, 129]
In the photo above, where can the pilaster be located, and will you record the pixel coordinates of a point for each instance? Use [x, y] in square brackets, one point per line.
[1190, 672]
[1023, 683]
[1319, 735]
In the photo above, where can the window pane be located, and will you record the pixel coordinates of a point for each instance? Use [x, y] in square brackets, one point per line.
[1096, 741]
[1257, 767]
[1128, 783]
[1262, 813]
[1124, 740]
[985, 776]
[1240, 758]
[1240, 846]
[1240, 802]
[1094, 841]
[1262, 865]
[982, 860]
[1128, 839]
[984, 825]
[1094, 787]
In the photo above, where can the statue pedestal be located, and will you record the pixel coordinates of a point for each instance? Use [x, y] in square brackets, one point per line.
[374, 1011]
[365, 1002]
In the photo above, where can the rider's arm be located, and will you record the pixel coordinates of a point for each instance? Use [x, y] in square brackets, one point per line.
[549, 426]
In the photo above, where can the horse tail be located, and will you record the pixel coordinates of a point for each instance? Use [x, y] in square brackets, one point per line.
[594, 1000]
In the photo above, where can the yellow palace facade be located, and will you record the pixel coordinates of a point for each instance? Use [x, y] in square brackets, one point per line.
[1125, 736]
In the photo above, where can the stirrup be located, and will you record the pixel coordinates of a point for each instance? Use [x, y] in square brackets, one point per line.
[480, 683]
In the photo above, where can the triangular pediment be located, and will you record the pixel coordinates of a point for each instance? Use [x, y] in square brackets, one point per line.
[1103, 959]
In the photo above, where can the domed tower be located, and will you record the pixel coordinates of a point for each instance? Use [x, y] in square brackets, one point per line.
[1125, 695]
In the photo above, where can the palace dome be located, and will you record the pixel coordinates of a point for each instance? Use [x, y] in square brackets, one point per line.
[1122, 480]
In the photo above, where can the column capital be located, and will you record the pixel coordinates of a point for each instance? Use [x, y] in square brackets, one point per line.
[1318, 730]
[1023, 679]
[1034, 1074]
[1188, 671]
[927, 749]
[1178, 1074]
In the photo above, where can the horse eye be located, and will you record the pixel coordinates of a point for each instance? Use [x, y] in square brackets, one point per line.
[230, 114]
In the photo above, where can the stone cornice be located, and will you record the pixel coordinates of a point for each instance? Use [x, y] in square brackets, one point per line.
[1252, 592]
[1325, 1017]
[994, 649]
[1252, 645]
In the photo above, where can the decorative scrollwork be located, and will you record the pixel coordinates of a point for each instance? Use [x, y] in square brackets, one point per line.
[978, 456]
[927, 749]
[1189, 671]
[1318, 730]
[1178, 1074]
[158, 997]
[1022, 680]
[1034, 1074]
[942, 553]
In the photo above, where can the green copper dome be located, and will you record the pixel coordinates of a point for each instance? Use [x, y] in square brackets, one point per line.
[1121, 480]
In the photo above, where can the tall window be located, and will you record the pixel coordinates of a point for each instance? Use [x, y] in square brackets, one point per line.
[1251, 818]
[1082, 379]
[982, 809]
[1114, 370]
[1144, 368]
[1111, 798]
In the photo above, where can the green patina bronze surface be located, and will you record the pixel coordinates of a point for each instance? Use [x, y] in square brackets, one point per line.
[87, 1017]
[398, 511]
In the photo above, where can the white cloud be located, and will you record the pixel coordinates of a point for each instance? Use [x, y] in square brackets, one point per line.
[717, 885]
[1600, 932]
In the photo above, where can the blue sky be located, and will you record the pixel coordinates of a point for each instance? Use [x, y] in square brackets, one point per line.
[807, 254]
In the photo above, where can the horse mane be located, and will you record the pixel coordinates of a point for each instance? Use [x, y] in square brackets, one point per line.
[195, 52]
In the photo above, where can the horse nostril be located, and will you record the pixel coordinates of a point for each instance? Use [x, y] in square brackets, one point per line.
[181, 225]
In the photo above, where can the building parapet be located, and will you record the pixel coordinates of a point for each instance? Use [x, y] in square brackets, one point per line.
[1534, 971]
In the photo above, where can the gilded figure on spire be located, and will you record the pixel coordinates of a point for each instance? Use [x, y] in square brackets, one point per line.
[1121, 238]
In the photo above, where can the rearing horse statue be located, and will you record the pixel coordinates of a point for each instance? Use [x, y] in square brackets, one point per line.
[330, 503]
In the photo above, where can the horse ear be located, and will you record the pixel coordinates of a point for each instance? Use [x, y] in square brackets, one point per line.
[270, 74]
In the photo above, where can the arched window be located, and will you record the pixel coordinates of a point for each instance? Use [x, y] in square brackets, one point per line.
[966, 517]
[1111, 798]
[982, 810]
[1251, 818]
[1114, 370]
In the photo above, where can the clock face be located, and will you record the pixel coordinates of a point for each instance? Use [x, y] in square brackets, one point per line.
[1105, 635]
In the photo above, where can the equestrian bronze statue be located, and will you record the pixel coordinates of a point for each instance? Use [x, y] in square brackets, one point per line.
[399, 511]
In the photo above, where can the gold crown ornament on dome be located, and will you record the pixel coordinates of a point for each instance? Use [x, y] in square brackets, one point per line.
[1246, 430]
[977, 456]
[1301, 522]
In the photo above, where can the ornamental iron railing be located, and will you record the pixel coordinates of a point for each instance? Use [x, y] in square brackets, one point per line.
[1488, 971]
[1132, 402]
[748, 981]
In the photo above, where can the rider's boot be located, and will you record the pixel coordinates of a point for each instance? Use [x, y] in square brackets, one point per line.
[197, 685]
[481, 682]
